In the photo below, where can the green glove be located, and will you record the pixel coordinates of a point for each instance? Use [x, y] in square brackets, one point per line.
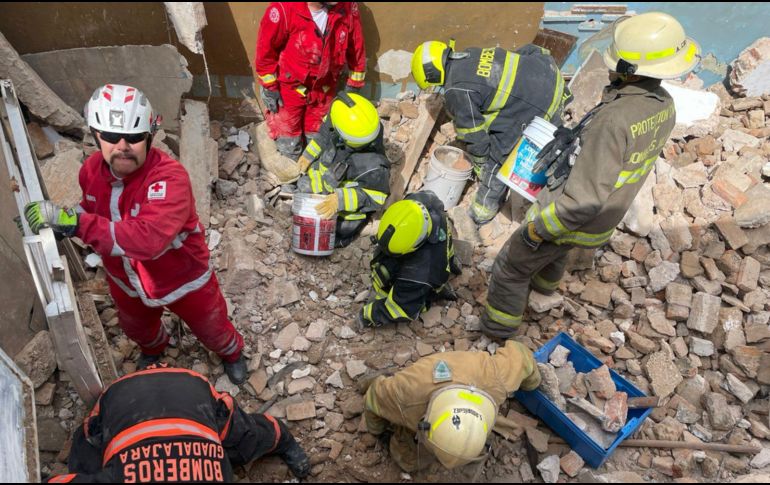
[45, 213]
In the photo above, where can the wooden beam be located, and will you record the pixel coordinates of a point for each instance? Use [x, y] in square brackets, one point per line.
[71, 342]
[76, 262]
[104, 361]
[429, 110]
[559, 43]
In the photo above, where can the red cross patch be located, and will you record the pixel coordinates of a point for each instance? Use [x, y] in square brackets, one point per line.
[157, 191]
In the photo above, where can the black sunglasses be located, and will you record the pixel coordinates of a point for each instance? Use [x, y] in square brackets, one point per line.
[114, 138]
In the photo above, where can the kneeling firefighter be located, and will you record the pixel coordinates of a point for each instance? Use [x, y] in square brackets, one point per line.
[347, 161]
[412, 262]
[449, 402]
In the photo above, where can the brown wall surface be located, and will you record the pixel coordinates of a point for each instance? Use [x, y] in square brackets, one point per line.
[231, 34]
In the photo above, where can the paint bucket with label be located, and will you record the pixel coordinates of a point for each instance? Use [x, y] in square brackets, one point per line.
[448, 173]
[516, 172]
[312, 235]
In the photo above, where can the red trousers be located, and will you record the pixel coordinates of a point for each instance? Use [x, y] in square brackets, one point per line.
[203, 310]
[300, 114]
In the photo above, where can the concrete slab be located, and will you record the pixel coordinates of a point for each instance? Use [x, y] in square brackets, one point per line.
[34, 92]
[199, 154]
[159, 71]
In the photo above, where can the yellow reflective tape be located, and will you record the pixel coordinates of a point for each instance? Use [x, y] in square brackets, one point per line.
[585, 239]
[633, 176]
[651, 56]
[466, 396]
[313, 148]
[552, 222]
[506, 82]
[503, 89]
[691, 52]
[268, 78]
[557, 95]
[544, 283]
[468, 131]
[315, 181]
[393, 308]
[357, 75]
[532, 212]
[368, 312]
[354, 197]
[438, 422]
[377, 197]
[633, 56]
[503, 318]
[353, 216]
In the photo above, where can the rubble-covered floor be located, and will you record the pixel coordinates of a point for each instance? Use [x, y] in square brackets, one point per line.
[678, 303]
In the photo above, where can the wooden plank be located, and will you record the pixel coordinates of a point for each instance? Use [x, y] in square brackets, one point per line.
[75, 261]
[616, 9]
[104, 361]
[70, 341]
[429, 110]
[559, 43]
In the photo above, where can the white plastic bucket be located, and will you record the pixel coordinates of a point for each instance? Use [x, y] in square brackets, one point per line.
[516, 172]
[448, 173]
[311, 234]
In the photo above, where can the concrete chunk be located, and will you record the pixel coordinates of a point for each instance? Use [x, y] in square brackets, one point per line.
[734, 235]
[35, 93]
[663, 374]
[704, 314]
[38, 359]
[750, 71]
[748, 274]
[60, 175]
[300, 411]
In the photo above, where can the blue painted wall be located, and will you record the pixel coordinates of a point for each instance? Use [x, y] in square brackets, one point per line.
[722, 29]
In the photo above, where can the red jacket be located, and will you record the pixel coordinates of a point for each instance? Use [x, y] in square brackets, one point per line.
[290, 49]
[145, 228]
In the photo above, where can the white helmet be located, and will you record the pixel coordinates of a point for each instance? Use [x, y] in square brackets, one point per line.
[460, 418]
[120, 109]
[654, 44]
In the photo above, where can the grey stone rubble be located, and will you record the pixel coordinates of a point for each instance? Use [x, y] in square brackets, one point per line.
[681, 312]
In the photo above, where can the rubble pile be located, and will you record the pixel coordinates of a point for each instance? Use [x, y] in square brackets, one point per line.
[598, 408]
[678, 302]
[682, 311]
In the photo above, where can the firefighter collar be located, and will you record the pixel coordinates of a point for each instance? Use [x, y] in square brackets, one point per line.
[649, 87]
[441, 372]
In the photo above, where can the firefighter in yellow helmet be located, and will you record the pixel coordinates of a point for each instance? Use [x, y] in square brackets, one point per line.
[596, 168]
[449, 402]
[347, 163]
[412, 262]
[492, 95]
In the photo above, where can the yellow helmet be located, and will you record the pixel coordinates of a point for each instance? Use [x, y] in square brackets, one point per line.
[651, 44]
[460, 419]
[355, 118]
[429, 63]
[404, 227]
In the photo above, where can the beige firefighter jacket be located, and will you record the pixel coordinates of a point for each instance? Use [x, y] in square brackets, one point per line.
[619, 147]
[403, 398]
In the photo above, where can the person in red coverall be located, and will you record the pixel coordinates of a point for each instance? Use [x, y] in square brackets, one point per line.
[138, 213]
[170, 425]
[302, 49]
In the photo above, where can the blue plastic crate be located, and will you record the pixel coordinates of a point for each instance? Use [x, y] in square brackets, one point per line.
[539, 405]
